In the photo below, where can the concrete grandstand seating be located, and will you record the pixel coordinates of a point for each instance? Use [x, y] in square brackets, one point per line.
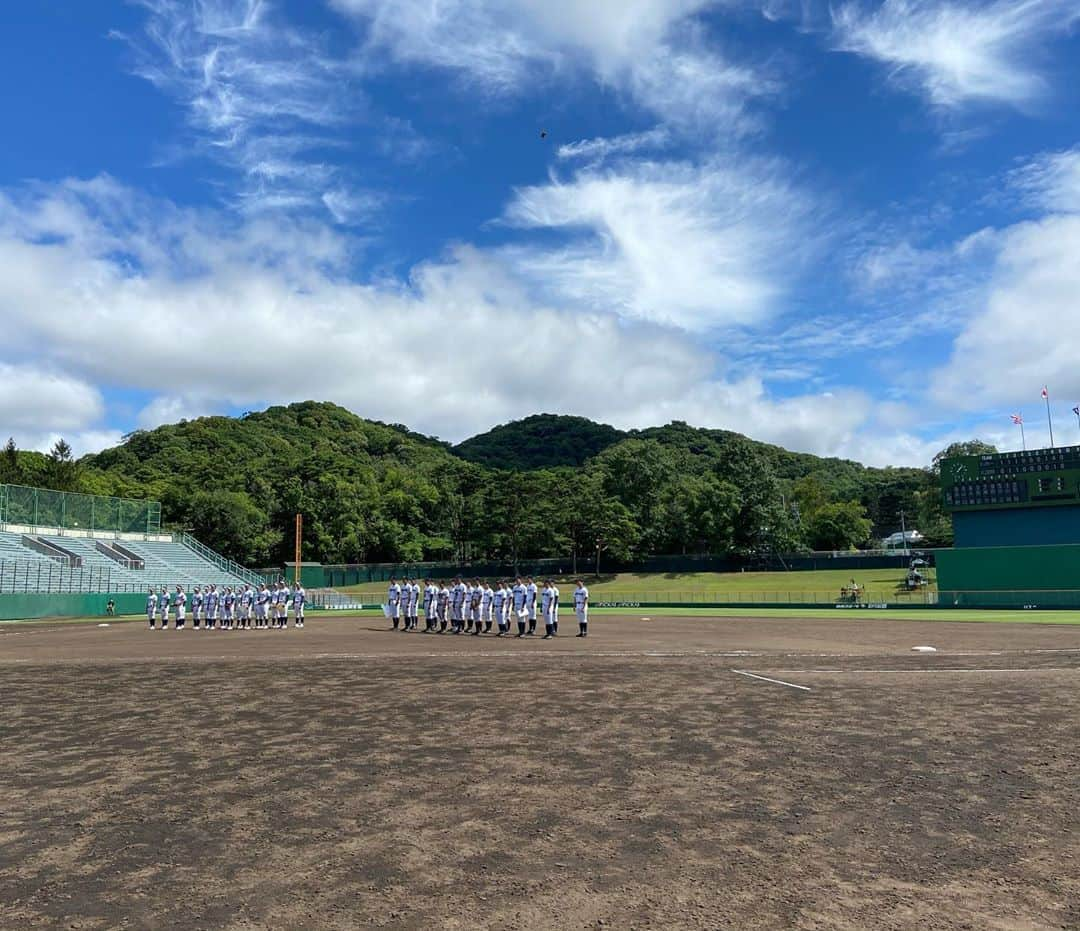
[168, 564]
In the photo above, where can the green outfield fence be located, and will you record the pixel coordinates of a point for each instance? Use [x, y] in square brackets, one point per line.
[38, 605]
[34, 605]
[42, 507]
[890, 598]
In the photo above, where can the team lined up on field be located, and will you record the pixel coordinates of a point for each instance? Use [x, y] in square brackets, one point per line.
[475, 607]
[231, 608]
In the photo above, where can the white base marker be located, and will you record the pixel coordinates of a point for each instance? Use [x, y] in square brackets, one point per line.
[790, 685]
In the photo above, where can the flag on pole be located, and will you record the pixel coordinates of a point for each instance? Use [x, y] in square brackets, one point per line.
[1076, 410]
[1017, 419]
[1049, 416]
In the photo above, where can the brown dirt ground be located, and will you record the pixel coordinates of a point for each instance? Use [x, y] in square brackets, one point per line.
[345, 776]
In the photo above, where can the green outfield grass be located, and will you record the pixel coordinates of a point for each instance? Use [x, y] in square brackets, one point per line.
[893, 613]
[822, 585]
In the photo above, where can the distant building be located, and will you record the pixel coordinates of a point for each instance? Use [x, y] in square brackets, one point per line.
[906, 538]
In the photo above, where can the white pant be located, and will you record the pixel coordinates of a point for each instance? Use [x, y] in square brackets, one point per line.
[582, 615]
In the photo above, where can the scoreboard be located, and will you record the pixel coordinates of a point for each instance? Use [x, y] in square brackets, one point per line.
[1034, 478]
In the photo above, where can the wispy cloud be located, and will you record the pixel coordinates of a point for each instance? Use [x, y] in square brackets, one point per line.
[656, 52]
[1051, 181]
[605, 147]
[957, 53]
[695, 246]
[260, 95]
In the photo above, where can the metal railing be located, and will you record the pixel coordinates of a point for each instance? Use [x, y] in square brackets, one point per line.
[50, 577]
[226, 565]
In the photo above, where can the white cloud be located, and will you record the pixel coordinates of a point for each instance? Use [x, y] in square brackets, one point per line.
[696, 246]
[958, 52]
[170, 408]
[1028, 332]
[260, 95]
[1051, 182]
[596, 150]
[656, 51]
[36, 399]
[286, 333]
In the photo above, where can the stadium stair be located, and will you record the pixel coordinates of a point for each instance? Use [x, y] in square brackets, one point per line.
[167, 564]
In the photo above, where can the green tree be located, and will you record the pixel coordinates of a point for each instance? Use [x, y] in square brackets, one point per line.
[230, 523]
[698, 512]
[587, 515]
[62, 471]
[839, 526]
[11, 472]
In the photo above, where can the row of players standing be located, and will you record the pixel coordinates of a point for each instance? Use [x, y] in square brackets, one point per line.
[231, 608]
[474, 607]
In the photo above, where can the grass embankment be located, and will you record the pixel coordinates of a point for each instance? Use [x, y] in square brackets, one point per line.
[752, 587]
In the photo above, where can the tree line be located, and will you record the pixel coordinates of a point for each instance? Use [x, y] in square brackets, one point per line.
[373, 492]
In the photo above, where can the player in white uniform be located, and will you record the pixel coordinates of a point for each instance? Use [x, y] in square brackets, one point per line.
[393, 601]
[581, 608]
[555, 607]
[486, 597]
[181, 607]
[299, 596]
[414, 604]
[498, 606]
[284, 597]
[457, 597]
[262, 599]
[196, 607]
[530, 604]
[547, 603]
[442, 608]
[466, 606]
[163, 607]
[518, 593]
[151, 606]
[431, 605]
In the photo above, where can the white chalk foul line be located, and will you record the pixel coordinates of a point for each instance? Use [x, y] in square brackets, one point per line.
[790, 685]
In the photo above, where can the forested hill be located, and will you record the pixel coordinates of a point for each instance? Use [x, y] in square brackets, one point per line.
[376, 492]
[542, 441]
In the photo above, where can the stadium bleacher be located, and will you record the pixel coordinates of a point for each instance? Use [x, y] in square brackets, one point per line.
[168, 563]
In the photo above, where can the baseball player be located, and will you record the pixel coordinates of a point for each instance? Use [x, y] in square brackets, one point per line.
[163, 607]
[196, 607]
[181, 607]
[393, 601]
[518, 593]
[487, 595]
[530, 604]
[581, 608]
[547, 605]
[151, 606]
[298, 598]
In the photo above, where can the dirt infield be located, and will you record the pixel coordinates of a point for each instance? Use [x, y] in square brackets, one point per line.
[346, 776]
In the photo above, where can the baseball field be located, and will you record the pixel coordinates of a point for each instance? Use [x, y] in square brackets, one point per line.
[675, 772]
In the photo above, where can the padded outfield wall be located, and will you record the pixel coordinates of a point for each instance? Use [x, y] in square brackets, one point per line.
[1022, 571]
[34, 605]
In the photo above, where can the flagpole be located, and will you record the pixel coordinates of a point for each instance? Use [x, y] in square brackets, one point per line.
[1076, 410]
[1049, 419]
[1023, 440]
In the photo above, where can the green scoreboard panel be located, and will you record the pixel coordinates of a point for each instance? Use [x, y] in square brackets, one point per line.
[1035, 478]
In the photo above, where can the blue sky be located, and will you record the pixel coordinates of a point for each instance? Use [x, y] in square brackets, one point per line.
[852, 229]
